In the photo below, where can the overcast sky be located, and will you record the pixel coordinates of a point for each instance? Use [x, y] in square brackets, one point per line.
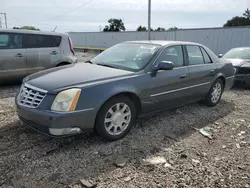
[89, 15]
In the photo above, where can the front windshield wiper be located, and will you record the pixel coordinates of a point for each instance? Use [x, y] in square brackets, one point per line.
[106, 65]
[89, 61]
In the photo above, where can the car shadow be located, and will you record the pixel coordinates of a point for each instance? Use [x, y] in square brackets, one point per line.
[87, 155]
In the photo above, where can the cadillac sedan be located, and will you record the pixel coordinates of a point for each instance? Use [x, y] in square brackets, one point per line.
[125, 82]
[240, 58]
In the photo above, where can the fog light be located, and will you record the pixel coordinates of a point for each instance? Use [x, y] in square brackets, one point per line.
[64, 131]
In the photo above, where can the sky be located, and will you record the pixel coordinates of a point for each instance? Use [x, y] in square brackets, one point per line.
[91, 15]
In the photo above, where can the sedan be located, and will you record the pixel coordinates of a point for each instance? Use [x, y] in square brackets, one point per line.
[127, 81]
[240, 58]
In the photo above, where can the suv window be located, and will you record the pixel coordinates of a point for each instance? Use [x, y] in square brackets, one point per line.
[42, 41]
[207, 59]
[195, 56]
[173, 54]
[10, 41]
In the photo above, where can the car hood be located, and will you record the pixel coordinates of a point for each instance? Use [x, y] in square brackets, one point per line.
[238, 62]
[72, 75]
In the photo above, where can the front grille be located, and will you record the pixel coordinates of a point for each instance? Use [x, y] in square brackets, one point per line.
[243, 70]
[30, 96]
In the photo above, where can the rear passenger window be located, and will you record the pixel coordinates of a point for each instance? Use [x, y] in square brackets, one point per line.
[207, 59]
[195, 56]
[42, 41]
[4, 38]
[11, 41]
[173, 54]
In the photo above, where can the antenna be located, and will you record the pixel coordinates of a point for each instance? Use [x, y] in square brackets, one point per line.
[55, 29]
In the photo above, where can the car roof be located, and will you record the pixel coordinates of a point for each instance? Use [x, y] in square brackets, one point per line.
[241, 48]
[163, 42]
[31, 32]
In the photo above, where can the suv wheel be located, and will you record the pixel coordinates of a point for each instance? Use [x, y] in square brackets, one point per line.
[215, 93]
[115, 118]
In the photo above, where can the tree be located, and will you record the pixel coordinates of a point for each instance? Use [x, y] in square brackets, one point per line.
[141, 28]
[172, 28]
[114, 25]
[247, 13]
[239, 20]
[160, 29]
[27, 28]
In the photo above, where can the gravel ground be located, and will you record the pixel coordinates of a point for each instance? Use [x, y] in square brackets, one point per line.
[192, 160]
[188, 158]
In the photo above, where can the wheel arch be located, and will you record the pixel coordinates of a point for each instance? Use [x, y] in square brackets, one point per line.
[131, 95]
[222, 77]
[62, 63]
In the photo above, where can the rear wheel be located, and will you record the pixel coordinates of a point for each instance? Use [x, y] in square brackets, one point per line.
[215, 93]
[115, 118]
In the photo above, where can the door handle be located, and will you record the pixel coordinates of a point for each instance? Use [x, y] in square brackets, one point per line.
[19, 55]
[183, 76]
[53, 53]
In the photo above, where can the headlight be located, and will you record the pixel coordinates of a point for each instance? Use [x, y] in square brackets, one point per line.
[66, 100]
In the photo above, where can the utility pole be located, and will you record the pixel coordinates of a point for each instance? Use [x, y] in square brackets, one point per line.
[5, 18]
[149, 19]
[0, 22]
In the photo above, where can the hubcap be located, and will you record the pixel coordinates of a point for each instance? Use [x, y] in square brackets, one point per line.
[117, 119]
[216, 93]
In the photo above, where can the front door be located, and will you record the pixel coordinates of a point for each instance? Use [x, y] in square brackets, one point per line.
[12, 57]
[201, 71]
[168, 88]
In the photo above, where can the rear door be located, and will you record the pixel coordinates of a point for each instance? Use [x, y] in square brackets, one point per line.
[12, 56]
[200, 70]
[42, 51]
[169, 88]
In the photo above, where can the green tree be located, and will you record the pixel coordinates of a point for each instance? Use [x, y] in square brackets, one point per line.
[160, 29]
[27, 28]
[239, 20]
[172, 28]
[247, 13]
[114, 25]
[141, 28]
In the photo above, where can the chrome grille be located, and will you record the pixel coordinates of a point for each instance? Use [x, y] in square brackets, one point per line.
[30, 96]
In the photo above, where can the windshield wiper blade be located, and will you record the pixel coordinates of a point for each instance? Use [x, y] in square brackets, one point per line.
[89, 61]
[106, 65]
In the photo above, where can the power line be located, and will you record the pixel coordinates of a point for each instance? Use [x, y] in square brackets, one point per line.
[72, 10]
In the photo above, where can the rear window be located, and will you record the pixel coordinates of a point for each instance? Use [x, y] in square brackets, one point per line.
[42, 41]
[11, 41]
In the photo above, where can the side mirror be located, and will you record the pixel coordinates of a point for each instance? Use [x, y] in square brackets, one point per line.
[164, 65]
[220, 55]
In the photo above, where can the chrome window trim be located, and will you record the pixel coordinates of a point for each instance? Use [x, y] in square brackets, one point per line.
[175, 90]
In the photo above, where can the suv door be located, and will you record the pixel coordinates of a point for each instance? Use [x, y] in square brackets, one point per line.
[201, 71]
[42, 51]
[168, 88]
[12, 56]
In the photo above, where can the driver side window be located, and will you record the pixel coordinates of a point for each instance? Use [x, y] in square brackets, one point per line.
[173, 54]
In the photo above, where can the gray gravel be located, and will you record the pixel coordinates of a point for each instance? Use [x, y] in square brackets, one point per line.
[193, 160]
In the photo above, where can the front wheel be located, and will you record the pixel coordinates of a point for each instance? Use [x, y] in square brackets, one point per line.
[215, 93]
[115, 118]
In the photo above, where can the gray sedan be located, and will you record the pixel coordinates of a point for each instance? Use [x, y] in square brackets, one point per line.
[125, 82]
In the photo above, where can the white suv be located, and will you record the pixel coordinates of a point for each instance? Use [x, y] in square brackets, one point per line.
[23, 52]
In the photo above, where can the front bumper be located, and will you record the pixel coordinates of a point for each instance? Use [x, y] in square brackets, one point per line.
[45, 121]
[242, 79]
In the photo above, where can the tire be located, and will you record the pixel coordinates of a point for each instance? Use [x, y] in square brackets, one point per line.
[213, 97]
[107, 124]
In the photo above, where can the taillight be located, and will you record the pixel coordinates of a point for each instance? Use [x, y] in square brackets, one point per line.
[71, 46]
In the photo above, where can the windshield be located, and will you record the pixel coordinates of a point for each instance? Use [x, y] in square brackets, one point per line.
[238, 53]
[132, 57]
